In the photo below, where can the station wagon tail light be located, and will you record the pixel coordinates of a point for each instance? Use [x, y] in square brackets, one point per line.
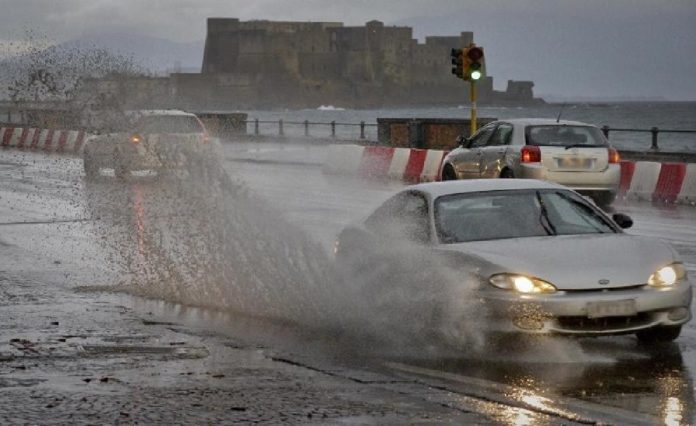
[136, 138]
[530, 154]
[668, 275]
[614, 156]
[521, 284]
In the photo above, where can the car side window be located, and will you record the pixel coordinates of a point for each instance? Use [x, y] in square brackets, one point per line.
[481, 137]
[501, 136]
[403, 216]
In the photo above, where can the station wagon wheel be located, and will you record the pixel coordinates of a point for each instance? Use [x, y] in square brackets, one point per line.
[91, 168]
[120, 169]
[507, 174]
[659, 334]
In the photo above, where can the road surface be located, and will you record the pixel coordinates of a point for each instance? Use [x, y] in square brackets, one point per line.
[92, 329]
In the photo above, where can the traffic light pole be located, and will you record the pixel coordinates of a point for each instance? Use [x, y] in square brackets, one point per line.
[472, 92]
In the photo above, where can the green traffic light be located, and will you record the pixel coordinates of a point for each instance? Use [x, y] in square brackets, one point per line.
[475, 75]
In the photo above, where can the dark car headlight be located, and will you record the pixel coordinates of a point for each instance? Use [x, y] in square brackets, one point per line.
[668, 275]
[521, 284]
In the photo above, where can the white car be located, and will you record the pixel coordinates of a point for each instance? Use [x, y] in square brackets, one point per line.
[543, 258]
[571, 153]
[159, 140]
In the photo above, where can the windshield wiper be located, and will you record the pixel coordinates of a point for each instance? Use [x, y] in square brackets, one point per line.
[544, 217]
[582, 145]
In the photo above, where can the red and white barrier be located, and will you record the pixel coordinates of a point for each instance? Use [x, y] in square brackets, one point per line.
[380, 162]
[687, 194]
[661, 182]
[68, 141]
[642, 180]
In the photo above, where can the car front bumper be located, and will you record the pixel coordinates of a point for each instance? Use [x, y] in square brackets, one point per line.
[573, 312]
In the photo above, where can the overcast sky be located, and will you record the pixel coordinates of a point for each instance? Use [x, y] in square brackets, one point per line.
[570, 48]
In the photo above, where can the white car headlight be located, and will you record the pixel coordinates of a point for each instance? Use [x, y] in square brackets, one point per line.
[668, 275]
[521, 284]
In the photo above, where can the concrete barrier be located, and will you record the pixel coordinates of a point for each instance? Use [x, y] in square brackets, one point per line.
[49, 140]
[643, 180]
[669, 182]
[379, 162]
[687, 194]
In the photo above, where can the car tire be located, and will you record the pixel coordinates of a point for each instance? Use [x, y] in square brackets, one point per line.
[663, 334]
[448, 173]
[507, 174]
[121, 171]
[91, 168]
[604, 199]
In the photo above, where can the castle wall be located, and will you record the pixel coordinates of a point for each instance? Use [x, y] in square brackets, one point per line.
[304, 64]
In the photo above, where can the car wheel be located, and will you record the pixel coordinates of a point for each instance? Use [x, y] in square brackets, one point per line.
[448, 173]
[507, 174]
[120, 169]
[91, 168]
[659, 334]
[604, 199]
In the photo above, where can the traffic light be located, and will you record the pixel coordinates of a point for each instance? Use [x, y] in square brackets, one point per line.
[474, 63]
[457, 62]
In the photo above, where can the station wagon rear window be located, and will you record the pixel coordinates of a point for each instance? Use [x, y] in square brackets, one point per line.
[169, 124]
[565, 136]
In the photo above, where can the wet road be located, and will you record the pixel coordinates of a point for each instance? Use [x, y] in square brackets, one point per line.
[49, 213]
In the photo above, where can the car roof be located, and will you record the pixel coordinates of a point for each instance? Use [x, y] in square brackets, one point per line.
[438, 189]
[544, 122]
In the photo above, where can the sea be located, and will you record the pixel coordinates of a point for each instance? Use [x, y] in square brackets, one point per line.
[624, 115]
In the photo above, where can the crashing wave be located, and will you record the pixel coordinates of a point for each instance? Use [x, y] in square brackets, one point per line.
[330, 108]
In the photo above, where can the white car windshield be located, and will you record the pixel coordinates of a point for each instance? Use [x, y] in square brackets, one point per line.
[515, 214]
[565, 136]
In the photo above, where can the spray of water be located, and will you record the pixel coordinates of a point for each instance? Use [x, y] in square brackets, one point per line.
[202, 238]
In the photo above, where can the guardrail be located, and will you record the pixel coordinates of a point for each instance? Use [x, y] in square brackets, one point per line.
[279, 129]
[654, 131]
[306, 124]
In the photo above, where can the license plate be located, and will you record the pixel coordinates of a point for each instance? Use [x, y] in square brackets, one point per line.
[617, 308]
[574, 163]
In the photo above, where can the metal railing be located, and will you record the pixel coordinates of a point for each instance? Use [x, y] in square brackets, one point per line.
[654, 131]
[306, 125]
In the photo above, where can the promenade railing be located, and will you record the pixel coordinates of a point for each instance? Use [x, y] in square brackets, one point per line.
[306, 128]
[654, 133]
[364, 130]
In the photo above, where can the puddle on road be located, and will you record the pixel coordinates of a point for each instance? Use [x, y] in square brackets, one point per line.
[208, 242]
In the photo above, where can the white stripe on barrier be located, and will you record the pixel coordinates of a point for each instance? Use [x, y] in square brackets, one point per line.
[343, 159]
[42, 139]
[70, 141]
[432, 165]
[399, 161]
[14, 140]
[688, 189]
[644, 180]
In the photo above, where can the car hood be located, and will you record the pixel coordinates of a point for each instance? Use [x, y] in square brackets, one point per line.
[572, 262]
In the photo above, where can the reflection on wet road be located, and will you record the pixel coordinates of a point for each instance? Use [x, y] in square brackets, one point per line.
[148, 233]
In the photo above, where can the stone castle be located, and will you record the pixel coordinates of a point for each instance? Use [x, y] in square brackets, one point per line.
[272, 64]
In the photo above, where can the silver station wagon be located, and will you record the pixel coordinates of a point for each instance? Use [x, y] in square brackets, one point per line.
[540, 257]
[571, 153]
